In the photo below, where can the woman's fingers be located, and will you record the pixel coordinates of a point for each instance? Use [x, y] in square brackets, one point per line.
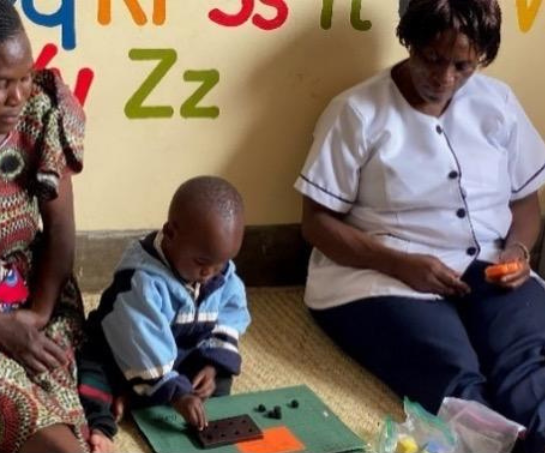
[515, 279]
[55, 351]
[32, 364]
[450, 283]
[43, 355]
[48, 360]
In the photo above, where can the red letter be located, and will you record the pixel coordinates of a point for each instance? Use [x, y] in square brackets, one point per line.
[271, 24]
[233, 20]
[46, 55]
[85, 75]
[83, 84]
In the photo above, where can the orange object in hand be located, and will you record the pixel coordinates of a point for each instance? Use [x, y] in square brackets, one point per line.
[497, 271]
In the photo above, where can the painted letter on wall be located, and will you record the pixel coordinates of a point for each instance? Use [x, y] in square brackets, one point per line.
[63, 17]
[85, 75]
[134, 107]
[138, 15]
[356, 21]
[246, 10]
[527, 14]
[190, 108]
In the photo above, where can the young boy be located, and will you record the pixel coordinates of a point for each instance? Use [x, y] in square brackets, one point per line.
[167, 328]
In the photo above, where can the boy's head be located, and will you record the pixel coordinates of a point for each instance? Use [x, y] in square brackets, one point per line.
[205, 227]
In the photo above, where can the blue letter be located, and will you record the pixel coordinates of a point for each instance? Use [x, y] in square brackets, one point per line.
[64, 16]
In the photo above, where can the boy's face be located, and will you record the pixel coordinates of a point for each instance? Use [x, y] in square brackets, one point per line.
[199, 249]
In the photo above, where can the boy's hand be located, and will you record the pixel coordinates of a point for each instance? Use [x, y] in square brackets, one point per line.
[204, 383]
[100, 443]
[191, 408]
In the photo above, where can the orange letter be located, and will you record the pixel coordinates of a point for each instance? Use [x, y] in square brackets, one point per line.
[527, 14]
[159, 12]
[137, 13]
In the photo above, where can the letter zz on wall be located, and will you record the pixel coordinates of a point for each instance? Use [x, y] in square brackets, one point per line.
[190, 108]
[135, 108]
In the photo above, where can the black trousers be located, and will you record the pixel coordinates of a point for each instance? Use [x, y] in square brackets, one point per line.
[488, 346]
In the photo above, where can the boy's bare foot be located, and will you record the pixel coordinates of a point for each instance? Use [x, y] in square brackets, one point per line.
[100, 443]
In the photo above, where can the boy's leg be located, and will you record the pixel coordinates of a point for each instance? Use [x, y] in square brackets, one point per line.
[53, 439]
[418, 347]
[95, 391]
[507, 329]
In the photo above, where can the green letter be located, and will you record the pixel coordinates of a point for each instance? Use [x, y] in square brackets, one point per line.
[209, 80]
[326, 18]
[134, 108]
[327, 14]
[357, 23]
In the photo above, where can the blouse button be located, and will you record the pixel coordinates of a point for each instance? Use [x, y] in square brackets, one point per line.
[461, 213]
[453, 174]
[439, 129]
[471, 251]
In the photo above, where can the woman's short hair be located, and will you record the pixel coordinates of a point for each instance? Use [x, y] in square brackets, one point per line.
[479, 20]
[10, 21]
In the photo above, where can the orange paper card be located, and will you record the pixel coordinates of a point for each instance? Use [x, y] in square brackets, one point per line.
[497, 271]
[275, 440]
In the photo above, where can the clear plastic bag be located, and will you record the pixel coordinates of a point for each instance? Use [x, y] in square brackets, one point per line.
[421, 432]
[479, 428]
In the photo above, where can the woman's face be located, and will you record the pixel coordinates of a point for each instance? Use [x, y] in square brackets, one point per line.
[439, 69]
[15, 79]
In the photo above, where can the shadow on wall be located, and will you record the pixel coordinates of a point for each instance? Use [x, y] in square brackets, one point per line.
[290, 88]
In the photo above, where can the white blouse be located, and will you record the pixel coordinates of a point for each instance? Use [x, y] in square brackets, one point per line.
[417, 183]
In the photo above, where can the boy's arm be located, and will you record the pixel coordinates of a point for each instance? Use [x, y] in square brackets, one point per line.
[139, 335]
[221, 348]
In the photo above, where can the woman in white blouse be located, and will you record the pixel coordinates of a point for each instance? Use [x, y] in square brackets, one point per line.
[418, 179]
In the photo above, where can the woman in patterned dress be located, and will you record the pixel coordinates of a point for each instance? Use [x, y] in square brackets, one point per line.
[41, 137]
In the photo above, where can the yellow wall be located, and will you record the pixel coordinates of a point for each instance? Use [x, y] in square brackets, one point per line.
[273, 85]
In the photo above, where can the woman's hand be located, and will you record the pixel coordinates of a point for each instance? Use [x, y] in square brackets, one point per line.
[30, 317]
[427, 274]
[204, 384]
[511, 253]
[32, 349]
[191, 408]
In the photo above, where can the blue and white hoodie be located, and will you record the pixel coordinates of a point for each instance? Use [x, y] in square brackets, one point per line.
[151, 322]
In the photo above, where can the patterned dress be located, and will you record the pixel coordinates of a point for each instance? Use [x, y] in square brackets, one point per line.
[46, 144]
